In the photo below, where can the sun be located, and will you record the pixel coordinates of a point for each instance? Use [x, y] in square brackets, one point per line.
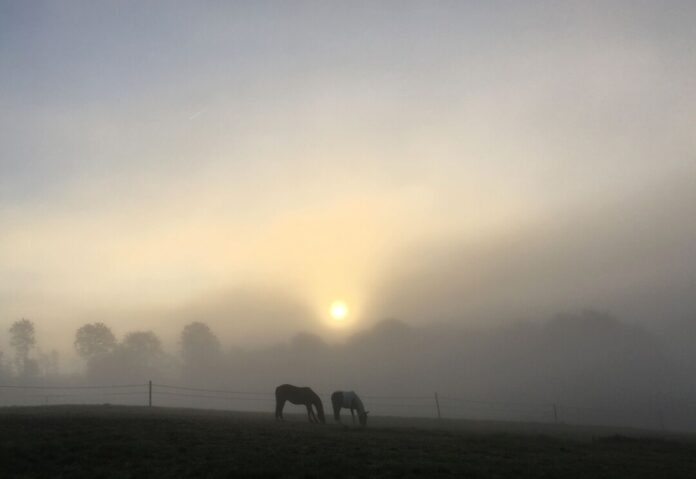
[339, 310]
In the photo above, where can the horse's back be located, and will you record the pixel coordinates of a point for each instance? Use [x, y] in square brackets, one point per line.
[344, 399]
[282, 389]
[295, 394]
[348, 398]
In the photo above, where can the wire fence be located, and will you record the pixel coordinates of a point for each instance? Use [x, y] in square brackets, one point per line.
[422, 406]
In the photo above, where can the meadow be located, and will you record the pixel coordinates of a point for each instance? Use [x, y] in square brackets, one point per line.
[133, 442]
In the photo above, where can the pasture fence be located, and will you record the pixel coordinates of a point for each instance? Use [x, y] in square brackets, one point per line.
[416, 406]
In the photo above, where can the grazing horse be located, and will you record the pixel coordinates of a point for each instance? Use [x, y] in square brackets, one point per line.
[298, 395]
[348, 400]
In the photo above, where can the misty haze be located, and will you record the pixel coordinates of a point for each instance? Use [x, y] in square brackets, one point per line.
[436, 238]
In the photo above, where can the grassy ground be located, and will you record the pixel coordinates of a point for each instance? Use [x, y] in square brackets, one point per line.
[113, 441]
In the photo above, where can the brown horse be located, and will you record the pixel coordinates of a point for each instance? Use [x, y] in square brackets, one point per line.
[298, 395]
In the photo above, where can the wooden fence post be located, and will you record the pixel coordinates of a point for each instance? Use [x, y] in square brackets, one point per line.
[437, 405]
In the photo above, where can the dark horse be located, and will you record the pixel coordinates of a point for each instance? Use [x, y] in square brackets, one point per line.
[298, 395]
[348, 400]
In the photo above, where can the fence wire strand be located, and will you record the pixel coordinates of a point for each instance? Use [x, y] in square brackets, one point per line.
[421, 406]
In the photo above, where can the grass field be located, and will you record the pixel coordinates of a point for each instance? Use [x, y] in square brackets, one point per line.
[115, 441]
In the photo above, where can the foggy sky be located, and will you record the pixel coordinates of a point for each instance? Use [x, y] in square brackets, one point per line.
[246, 164]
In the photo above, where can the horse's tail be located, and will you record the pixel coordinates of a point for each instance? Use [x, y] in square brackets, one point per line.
[280, 393]
[336, 400]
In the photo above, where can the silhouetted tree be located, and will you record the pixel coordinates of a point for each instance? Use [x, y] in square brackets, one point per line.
[23, 340]
[138, 357]
[200, 351]
[94, 341]
[142, 347]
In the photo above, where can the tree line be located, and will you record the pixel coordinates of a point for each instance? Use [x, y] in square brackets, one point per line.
[137, 356]
[587, 359]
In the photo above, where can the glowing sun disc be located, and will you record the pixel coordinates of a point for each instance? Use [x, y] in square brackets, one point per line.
[338, 310]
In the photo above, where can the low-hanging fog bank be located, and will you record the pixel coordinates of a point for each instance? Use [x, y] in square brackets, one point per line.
[634, 257]
[594, 368]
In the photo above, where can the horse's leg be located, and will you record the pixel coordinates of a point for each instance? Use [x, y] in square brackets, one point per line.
[279, 409]
[352, 416]
[337, 412]
[310, 414]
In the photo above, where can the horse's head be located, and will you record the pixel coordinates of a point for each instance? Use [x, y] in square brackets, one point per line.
[320, 410]
[363, 418]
